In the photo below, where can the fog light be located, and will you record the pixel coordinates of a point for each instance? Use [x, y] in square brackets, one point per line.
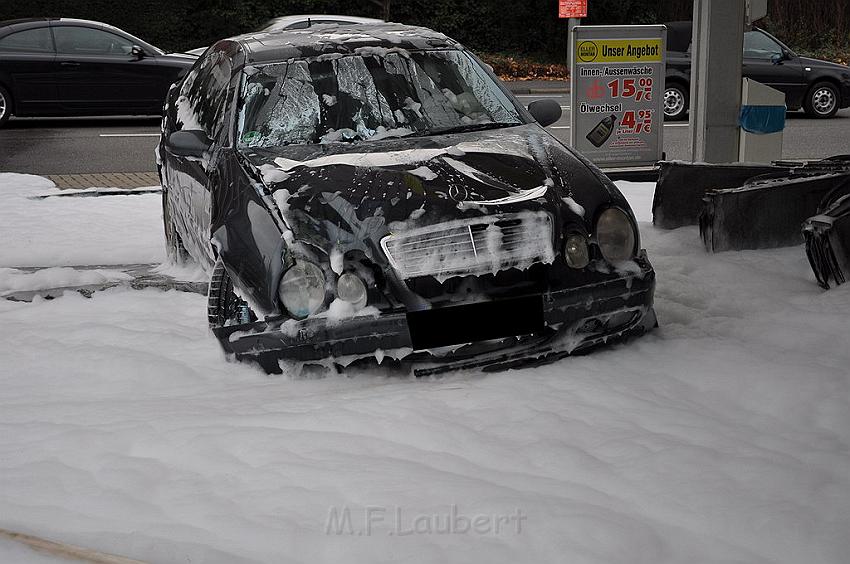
[350, 288]
[575, 251]
[302, 289]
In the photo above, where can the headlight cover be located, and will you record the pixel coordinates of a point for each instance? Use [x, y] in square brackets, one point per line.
[302, 289]
[576, 252]
[350, 288]
[615, 235]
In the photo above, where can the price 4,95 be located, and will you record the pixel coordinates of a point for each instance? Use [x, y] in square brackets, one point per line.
[636, 122]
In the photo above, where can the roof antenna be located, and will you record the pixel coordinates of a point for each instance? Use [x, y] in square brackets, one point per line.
[309, 22]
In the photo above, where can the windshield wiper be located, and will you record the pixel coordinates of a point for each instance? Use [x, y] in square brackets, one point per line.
[471, 127]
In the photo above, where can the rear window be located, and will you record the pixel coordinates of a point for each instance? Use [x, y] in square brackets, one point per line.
[36, 40]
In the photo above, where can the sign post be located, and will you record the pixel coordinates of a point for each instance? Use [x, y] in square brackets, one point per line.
[573, 10]
[617, 94]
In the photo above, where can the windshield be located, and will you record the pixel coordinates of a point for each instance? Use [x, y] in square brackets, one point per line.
[373, 95]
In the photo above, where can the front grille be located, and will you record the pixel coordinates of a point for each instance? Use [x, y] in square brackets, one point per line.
[473, 246]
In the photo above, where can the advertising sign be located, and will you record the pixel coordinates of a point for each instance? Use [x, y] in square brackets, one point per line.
[572, 8]
[617, 94]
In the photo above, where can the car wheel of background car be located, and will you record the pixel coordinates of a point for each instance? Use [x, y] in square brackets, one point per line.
[173, 243]
[5, 105]
[822, 100]
[675, 102]
[223, 305]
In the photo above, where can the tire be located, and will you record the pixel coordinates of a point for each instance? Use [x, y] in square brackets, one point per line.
[223, 305]
[676, 101]
[173, 243]
[822, 100]
[5, 105]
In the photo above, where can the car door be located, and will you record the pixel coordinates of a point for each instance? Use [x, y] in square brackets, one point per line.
[27, 68]
[98, 74]
[201, 104]
[768, 62]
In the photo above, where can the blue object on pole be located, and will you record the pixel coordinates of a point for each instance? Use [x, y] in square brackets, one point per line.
[762, 120]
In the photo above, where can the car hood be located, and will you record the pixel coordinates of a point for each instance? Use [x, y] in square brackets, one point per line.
[352, 195]
[809, 62]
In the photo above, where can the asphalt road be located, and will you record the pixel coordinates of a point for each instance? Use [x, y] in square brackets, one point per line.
[79, 145]
[97, 145]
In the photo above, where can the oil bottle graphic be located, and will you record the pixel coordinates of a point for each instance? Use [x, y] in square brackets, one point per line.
[603, 130]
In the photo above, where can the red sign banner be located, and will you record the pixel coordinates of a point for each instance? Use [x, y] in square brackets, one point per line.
[572, 8]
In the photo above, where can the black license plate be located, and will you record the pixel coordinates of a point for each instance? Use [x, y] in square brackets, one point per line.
[454, 325]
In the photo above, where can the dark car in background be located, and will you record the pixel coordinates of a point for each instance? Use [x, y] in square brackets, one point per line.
[374, 191]
[68, 67]
[819, 87]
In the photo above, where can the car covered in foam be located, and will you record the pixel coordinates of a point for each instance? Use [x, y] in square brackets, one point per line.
[375, 192]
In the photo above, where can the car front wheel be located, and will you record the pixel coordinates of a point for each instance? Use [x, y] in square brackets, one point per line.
[223, 305]
[675, 102]
[5, 105]
[822, 100]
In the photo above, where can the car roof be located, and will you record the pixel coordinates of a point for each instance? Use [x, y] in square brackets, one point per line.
[73, 21]
[325, 39]
[54, 21]
[5, 23]
[283, 21]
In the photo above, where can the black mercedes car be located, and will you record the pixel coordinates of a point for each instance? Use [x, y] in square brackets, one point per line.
[373, 191]
[67, 67]
[819, 87]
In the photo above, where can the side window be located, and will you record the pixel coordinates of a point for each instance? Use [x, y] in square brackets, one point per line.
[299, 25]
[202, 103]
[72, 40]
[36, 40]
[759, 46]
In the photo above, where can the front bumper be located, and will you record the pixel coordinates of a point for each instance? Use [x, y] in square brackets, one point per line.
[573, 320]
[845, 95]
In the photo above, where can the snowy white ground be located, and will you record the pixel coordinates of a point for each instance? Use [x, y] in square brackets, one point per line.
[724, 436]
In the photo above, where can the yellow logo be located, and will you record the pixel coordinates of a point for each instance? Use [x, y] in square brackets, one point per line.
[587, 51]
[621, 51]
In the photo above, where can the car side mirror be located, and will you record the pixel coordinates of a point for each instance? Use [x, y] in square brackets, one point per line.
[778, 58]
[137, 52]
[546, 112]
[189, 143]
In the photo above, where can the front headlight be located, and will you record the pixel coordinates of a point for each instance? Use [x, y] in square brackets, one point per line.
[615, 235]
[302, 289]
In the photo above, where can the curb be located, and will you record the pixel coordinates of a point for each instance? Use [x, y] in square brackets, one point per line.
[105, 179]
[538, 90]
